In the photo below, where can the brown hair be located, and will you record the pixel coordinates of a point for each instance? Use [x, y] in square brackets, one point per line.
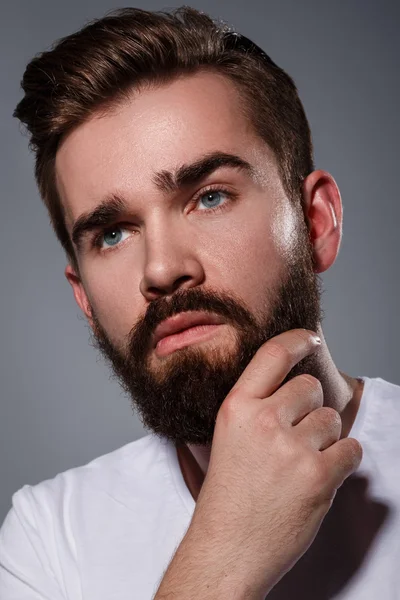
[98, 65]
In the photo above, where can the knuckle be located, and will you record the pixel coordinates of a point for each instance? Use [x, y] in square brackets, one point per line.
[329, 415]
[310, 382]
[278, 351]
[229, 408]
[268, 418]
[355, 449]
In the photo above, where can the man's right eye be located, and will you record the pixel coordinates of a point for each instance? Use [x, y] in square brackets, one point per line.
[111, 237]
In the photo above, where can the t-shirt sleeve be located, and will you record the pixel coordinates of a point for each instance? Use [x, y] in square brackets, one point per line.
[25, 569]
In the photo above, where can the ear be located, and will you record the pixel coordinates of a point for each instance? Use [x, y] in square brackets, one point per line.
[79, 293]
[324, 216]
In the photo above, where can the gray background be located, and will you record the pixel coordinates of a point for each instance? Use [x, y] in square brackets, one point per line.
[58, 407]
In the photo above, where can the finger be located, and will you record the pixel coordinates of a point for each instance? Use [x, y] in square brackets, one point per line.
[297, 398]
[320, 428]
[273, 361]
[342, 459]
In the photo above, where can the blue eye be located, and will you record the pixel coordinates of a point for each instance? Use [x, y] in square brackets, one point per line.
[112, 237]
[212, 196]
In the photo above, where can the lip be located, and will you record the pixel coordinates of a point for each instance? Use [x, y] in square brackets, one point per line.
[183, 321]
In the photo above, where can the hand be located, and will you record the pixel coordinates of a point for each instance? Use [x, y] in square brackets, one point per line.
[275, 465]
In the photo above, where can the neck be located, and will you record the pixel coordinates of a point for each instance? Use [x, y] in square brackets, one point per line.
[341, 392]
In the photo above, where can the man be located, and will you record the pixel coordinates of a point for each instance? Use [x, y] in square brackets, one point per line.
[175, 160]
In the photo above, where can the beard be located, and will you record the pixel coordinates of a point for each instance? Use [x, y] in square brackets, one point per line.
[180, 397]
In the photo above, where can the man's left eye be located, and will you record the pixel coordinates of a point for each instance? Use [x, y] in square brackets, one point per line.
[212, 197]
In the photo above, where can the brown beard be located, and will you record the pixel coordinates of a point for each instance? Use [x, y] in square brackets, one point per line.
[181, 400]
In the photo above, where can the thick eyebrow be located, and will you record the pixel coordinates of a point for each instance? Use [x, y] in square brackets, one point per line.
[112, 208]
[167, 181]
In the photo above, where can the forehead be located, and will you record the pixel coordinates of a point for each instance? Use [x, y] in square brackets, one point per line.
[156, 129]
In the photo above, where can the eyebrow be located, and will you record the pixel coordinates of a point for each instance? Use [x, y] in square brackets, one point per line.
[111, 208]
[191, 174]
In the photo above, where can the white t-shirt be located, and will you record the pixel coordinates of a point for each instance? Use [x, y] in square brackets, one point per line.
[108, 530]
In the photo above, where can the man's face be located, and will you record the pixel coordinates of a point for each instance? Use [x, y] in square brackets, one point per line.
[226, 241]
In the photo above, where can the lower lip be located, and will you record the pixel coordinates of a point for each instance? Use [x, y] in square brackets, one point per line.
[184, 338]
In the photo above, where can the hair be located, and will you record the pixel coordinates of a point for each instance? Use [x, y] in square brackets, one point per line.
[96, 67]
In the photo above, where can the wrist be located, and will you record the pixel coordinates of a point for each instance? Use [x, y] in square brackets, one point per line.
[229, 572]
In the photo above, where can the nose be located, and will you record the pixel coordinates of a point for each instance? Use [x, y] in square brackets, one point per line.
[171, 263]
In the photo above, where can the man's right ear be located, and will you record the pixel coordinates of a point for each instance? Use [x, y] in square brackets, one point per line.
[79, 293]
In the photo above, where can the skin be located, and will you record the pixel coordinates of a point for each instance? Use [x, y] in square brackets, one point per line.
[176, 245]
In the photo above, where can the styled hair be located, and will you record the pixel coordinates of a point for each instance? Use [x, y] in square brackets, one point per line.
[94, 68]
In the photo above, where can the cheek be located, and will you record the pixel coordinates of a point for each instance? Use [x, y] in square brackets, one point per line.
[115, 299]
[251, 259]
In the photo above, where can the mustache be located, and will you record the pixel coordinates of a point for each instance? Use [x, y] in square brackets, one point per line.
[194, 299]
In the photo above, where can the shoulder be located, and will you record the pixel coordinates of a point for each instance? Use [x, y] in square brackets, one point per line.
[381, 396]
[135, 461]
[49, 521]
[385, 389]
[379, 416]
